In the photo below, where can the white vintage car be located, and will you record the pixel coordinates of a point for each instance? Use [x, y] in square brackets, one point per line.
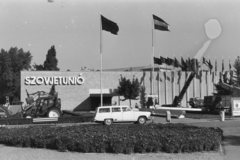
[113, 114]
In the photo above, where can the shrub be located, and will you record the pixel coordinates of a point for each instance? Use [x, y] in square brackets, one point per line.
[171, 138]
[20, 121]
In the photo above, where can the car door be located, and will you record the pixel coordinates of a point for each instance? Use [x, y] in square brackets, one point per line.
[127, 114]
[116, 114]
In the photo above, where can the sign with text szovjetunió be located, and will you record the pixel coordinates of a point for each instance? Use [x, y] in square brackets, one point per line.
[235, 106]
[57, 80]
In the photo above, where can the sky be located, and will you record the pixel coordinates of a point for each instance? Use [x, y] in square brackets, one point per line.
[73, 27]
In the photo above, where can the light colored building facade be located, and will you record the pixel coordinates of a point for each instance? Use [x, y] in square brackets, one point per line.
[80, 91]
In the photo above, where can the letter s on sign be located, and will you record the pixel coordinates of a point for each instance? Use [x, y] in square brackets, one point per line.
[27, 80]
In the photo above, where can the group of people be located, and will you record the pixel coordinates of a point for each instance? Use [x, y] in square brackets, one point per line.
[150, 102]
[7, 102]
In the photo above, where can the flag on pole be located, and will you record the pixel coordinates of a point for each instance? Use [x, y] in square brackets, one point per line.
[210, 66]
[230, 66]
[157, 61]
[109, 26]
[222, 65]
[200, 75]
[231, 81]
[189, 64]
[176, 63]
[163, 60]
[184, 65]
[179, 76]
[170, 61]
[205, 62]
[195, 65]
[215, 67]
[160, 24]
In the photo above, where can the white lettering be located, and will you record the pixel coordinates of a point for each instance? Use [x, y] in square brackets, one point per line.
[33, 82]
[72, 80]
[39, 82]
[64, 81]
[54, 80]
[48, 80]
[27, 80]
[60, 80]
[80, 80]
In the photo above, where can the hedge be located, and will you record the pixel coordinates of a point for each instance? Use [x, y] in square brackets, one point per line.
[21, 121]
[123, 138]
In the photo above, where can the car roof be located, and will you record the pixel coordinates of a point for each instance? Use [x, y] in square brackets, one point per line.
[111, 106]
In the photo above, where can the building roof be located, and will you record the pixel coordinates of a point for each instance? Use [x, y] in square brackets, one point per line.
[144, 68]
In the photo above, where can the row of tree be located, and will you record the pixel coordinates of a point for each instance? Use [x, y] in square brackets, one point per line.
[15, 60]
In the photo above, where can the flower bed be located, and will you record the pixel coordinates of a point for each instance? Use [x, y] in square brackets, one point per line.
[172, 138]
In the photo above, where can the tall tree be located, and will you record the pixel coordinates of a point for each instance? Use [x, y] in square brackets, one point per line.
[12, 62]
[236, 66]
[129, 89]
[52, 90]
[39, 67]
[51, 62]
[143, 96]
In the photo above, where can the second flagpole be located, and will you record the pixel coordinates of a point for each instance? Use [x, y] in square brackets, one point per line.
[152, 87]
[101, 60]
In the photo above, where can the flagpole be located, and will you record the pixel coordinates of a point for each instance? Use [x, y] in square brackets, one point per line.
[215, 73]
[159, 87]
[166, 63]
[101, 60]
[173, 79]
[200, 78]
[215, 66]
[229, 68]
[174, 62]
[179, 84]
[209, 65]
[152, 60]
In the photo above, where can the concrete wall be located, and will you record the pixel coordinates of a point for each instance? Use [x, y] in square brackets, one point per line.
[77, 97]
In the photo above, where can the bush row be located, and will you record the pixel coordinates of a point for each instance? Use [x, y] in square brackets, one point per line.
[19, 121]
[125, 138]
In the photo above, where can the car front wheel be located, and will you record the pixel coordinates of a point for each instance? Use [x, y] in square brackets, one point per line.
[142, 120]
[108, 122]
